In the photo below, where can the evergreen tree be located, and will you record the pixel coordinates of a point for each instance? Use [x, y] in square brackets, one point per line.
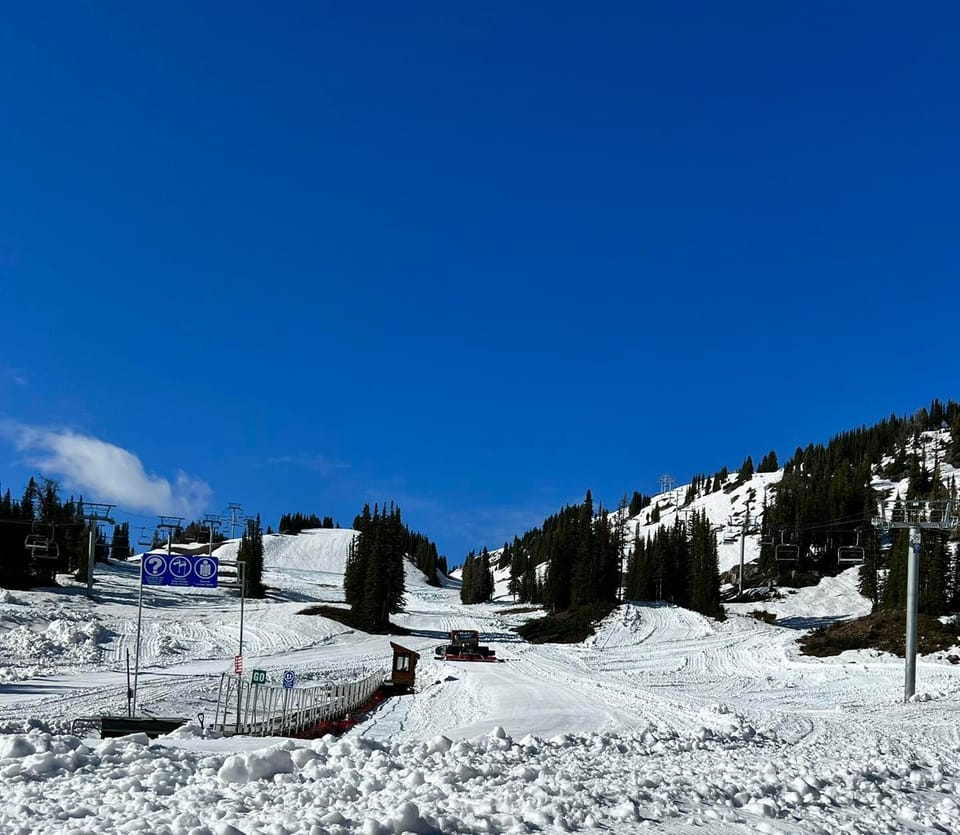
[250, 553]
[704, 570]
[294, 523]
[486, 584]
[637, 503]
[585, 588]
[6, 506]
[27, 510]
[768, 463]
[895, 587]
[355, 573]
[120, 542]
[374, 579]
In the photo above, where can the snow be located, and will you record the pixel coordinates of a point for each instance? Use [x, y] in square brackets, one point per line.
[662, 721]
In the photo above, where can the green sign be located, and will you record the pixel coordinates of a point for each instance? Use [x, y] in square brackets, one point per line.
[259, 677]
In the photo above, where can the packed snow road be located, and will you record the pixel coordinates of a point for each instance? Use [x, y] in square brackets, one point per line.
[663, 719]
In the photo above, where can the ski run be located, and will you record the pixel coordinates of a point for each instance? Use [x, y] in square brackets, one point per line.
[663, 721]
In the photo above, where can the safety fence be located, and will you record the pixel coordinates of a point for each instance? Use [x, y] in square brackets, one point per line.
[267, 710]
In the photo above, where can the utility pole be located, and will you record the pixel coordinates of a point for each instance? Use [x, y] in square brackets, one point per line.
[171, 523]
[666, 482]
[743, 545]
[621, 533]
[235, 509]
[94, 512]
[212, 521]
[916, 516]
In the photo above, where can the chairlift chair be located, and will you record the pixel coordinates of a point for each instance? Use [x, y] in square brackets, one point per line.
[35, 543]
[850, 554]
[786, 552]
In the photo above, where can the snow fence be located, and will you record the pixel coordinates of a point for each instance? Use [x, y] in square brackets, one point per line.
[267, 710]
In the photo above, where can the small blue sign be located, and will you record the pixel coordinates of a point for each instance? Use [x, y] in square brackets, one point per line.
[289, 678]
[179, 570]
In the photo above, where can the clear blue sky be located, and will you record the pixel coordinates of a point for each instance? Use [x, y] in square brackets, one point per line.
[474, 258]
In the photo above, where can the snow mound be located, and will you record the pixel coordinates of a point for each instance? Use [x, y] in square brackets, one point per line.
[712, 778]
[832, 598]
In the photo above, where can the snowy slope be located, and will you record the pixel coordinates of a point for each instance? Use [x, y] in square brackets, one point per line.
[663, 721]
[322, 549]
[725, 510]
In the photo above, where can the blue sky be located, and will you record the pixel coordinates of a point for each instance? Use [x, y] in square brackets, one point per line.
[474, 259]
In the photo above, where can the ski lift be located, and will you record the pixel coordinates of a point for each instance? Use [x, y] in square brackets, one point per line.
[885, 540]
[144, 539]
[786, 552]
[42, 546]
[850, 554]
[36, 543]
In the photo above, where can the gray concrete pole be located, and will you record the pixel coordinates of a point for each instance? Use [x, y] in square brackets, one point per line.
[91, 556]
[913, 583]
[743, 543]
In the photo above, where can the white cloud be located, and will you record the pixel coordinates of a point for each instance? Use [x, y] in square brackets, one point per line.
[104, 472]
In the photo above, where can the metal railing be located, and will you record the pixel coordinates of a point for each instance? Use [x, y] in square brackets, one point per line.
[268, 710]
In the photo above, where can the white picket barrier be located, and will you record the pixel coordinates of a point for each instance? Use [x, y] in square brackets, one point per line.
[268, 710]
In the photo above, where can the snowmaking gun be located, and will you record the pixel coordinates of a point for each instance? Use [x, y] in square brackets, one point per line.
[465, 646]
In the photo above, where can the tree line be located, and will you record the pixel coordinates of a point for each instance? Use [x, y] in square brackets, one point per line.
[678, 565]
[298, 522]
[41, 512]
[579, 557]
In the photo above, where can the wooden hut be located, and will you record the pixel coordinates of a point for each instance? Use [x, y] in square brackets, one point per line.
[404, 668]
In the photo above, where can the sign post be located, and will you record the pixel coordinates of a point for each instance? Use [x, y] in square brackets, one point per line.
[159, 569]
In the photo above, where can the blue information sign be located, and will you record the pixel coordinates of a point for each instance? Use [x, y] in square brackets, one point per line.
[179, 570]
[289, 678]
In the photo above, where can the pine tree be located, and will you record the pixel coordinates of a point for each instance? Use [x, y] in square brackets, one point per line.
[120, 542]
[27, 511]
[585, 587]
[250, 553]
[769, 463]
[637, 503]
[704, 570]
[6, 506]
[374, 579]
[486, 584]
[895, 587]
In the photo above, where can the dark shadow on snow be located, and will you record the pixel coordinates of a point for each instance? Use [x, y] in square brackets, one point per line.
[809, 623]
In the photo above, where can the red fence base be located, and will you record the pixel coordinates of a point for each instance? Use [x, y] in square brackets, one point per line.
[339, 726]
